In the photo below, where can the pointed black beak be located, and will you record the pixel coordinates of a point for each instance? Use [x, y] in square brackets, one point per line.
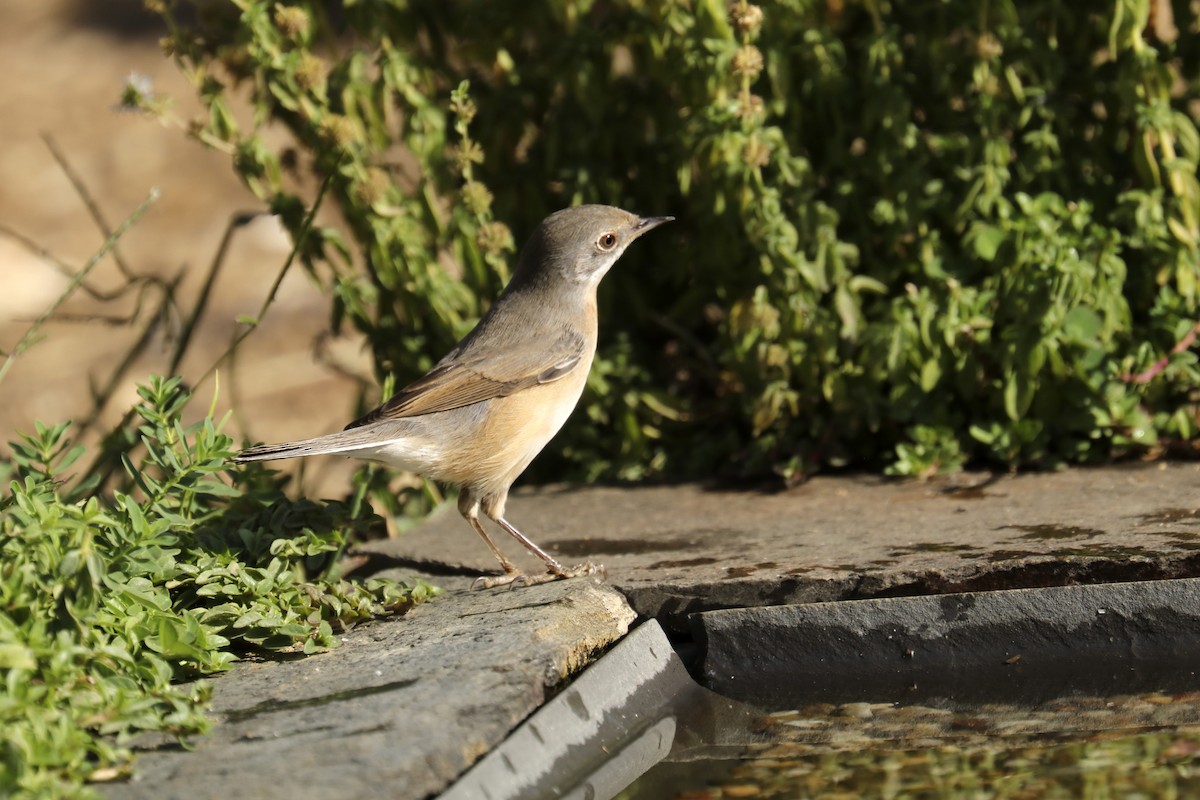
[650, 223]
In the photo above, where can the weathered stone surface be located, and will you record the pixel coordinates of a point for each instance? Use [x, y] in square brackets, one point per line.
[610, 725]
[407, 705]
[1031, 644]
[400, 709]
[634, 708]
[679, 549]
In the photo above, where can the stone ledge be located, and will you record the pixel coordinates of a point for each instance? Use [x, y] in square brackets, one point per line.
[677, 550]
[400, 710]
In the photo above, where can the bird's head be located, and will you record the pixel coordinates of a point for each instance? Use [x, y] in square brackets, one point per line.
[580, 244]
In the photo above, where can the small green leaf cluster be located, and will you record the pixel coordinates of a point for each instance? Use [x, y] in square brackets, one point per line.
[109, 597]
[911, 235]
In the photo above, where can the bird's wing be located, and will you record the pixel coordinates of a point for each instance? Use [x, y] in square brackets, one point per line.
[462, 379]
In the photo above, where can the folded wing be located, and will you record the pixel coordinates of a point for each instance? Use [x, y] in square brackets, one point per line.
[461, 379]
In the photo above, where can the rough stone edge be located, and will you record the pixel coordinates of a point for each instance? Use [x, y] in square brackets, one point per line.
[591, 716]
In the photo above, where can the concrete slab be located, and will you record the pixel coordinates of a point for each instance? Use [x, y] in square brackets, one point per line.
[401, 709]
[675, 550]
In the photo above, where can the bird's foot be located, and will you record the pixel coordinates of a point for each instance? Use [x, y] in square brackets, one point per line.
[515, 576]
[492, 581]
[586, 568]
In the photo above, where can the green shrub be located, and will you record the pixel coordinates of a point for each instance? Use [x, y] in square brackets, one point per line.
[109, 595]
[911, 234]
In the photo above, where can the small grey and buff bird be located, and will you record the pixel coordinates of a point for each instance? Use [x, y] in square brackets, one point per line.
[484, 411]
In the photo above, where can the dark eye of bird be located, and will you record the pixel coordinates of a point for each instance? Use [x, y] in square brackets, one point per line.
[607, 241]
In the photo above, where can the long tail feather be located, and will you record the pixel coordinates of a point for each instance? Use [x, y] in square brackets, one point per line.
[340, 442]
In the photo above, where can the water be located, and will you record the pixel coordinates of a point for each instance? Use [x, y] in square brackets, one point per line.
[636, 726]
[1142, 745]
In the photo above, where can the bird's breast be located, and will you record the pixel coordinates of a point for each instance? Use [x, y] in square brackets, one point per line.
[514, 430]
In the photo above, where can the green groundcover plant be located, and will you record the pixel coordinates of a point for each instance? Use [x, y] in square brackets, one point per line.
[109, 598]
[911, 235]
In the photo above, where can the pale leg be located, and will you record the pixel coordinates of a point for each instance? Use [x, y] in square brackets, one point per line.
[469, 508]
[493, 508]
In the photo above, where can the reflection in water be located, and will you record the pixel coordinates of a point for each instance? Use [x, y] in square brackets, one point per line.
[1161, 764]
[1143, 744]
[636, 726]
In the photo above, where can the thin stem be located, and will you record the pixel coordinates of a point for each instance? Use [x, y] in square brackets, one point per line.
[252, 324]
[1158, 366]
[88, 202]
[102, 396]
[76, 281]
[237, 222]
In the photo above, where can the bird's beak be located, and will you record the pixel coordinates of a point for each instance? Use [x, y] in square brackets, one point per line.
[650, 223]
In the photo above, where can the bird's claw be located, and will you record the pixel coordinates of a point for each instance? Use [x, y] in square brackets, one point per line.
[515, 577]
[492, 581]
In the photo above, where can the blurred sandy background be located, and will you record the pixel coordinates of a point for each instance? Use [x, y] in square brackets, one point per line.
[65, 62]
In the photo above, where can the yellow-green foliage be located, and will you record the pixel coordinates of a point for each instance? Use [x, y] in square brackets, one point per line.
[109, 597]
[910, 234]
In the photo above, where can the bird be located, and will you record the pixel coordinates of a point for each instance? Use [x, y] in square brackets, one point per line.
[481, 414]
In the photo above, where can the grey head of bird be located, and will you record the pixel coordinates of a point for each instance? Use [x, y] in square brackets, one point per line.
[579, 245]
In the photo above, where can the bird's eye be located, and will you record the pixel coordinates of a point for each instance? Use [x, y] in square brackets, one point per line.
[607, 241]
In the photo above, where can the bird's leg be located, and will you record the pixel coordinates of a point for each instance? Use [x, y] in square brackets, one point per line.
[469, 508]
[493, 507]
[554, 570]
[511, 571]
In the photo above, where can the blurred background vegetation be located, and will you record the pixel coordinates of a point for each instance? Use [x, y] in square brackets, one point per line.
[911, 235]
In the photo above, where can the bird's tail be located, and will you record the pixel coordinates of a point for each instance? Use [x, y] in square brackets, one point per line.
[349, 442]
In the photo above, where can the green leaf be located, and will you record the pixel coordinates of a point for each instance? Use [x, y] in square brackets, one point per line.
[987, 241]
[931, 373]
[1018, 395]
[14, 655]
[1082, 324]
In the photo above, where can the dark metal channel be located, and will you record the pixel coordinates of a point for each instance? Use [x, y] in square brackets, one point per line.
[1011, 646]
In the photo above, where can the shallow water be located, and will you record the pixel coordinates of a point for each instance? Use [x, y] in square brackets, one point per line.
[637, 726]
[1142, 745]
